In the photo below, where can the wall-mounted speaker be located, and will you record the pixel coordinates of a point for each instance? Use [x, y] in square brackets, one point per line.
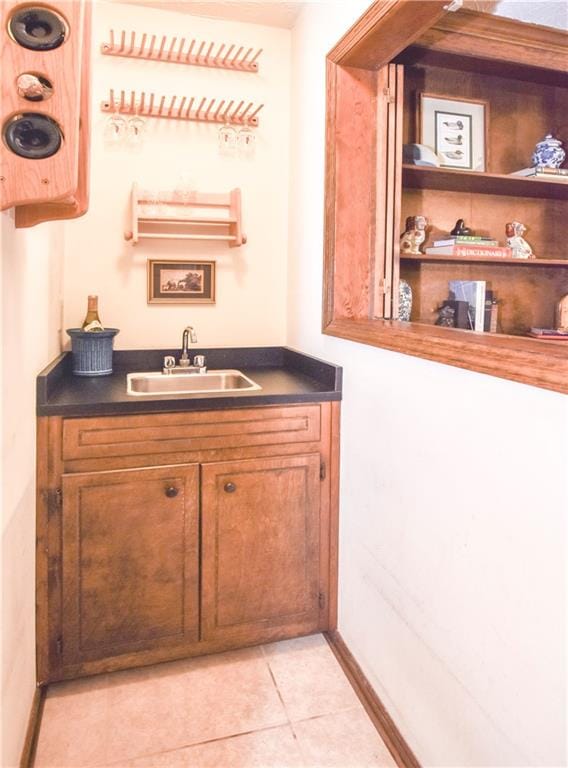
[44, 108]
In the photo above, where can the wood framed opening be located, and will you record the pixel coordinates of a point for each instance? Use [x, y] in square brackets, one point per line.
[398, 49]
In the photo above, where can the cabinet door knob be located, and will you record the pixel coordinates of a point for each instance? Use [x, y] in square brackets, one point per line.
[171, 492]
[230, 487]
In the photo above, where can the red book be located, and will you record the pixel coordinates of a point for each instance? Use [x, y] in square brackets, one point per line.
[472, 251]
[552, 334]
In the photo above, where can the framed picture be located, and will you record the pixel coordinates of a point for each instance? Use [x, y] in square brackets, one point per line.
[455, 129]
[181, 282]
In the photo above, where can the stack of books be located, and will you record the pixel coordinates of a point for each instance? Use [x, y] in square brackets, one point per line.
[466, 246]
[550, 174]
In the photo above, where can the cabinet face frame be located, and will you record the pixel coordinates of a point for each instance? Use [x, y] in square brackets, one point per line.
[359, 214]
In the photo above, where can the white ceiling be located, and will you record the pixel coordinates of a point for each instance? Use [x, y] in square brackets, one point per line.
[273, 13]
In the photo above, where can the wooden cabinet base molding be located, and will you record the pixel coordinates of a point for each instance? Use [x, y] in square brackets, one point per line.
[383, 722]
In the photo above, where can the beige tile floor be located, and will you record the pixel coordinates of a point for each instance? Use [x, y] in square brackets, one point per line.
[284, 705]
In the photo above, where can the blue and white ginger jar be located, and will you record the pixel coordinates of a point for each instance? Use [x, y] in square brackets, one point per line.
[548, 153]
[404, 301]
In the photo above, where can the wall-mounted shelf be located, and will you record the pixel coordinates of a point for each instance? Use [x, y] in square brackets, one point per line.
[175, 108]
[192, 216]
[420, 177]
[171, 51]
[489, 260]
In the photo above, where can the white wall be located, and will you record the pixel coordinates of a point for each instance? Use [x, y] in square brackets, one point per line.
[454, 499]
[251, 280]
[30, 303]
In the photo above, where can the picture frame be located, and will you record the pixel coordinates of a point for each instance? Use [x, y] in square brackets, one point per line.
[181, 282]
[456, 129]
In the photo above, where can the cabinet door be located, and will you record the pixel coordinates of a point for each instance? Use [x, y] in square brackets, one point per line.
[260, 548]
[130, 562]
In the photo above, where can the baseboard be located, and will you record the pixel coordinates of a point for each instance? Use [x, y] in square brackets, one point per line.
[32, 732]
[397, 746]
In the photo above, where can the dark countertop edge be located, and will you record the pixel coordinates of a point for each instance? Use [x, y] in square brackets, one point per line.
[326, 374]
[186, 404]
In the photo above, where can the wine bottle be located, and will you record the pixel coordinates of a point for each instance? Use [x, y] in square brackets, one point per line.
[92, 322]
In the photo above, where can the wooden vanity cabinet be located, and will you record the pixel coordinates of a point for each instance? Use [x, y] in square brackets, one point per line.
[163, 536]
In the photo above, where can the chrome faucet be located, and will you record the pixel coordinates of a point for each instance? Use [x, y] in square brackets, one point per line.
[184, 365]
[188, 334]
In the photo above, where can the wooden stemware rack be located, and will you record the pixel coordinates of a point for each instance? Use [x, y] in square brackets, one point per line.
[203, 110]
[170, 50]
[191, 216]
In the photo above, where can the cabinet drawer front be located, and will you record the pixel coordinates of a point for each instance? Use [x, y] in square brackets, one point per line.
[130, 561]
[182, 432]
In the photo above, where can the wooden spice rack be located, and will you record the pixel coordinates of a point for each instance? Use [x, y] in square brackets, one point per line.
[204, 110]
[169, 50]
[198, 216]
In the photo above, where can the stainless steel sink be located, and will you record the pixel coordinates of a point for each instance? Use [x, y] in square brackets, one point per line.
[157, 383]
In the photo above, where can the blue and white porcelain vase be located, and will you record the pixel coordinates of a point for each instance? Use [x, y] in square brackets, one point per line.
[548, 153]
[404, 301]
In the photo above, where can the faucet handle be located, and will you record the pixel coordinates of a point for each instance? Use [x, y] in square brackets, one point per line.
[199, 361]
[169, 363]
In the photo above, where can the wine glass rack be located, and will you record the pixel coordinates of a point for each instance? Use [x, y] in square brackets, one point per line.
[170, 50]
[175, 108]
[186, 216]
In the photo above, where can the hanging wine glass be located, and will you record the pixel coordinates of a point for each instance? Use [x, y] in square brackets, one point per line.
[247, 141]
[227, 139]
[115, 129]
[136, 129]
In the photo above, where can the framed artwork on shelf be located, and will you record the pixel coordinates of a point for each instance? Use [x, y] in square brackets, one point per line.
[455, 129]
[181, 282]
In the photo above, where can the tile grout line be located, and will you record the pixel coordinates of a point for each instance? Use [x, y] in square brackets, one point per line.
[290, 723]
[220, 738]
[312, 717]
[270, 672]
[189, 746]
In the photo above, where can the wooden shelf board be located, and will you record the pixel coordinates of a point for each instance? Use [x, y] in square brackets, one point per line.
[489, 260]
[531, 361]
[163, 236]
[422, 177]
[177, 220]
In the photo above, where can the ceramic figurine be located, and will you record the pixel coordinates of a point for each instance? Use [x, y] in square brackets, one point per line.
[549, 153]
[404, 301]
[515, 240]
[413, 236]
[460, 229]
[446, 317]
[562, 314]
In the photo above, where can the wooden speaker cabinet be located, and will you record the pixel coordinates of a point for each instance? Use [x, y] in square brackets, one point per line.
[44, 109]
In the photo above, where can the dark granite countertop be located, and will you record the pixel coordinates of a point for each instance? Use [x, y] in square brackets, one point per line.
[285, 375]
